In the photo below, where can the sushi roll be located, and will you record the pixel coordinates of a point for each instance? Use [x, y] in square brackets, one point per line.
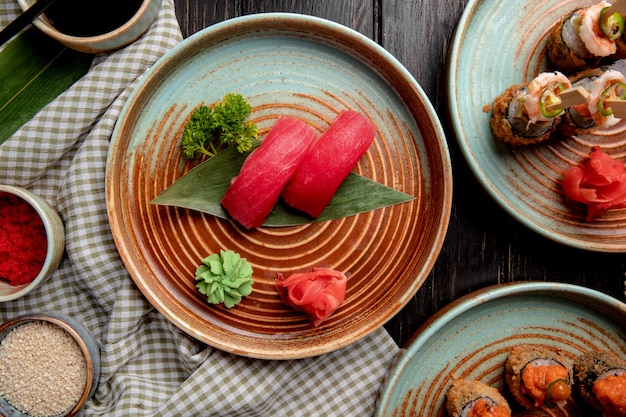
[474, 398]
[609, 86]
[538, 376]
[523, 114]
[584, 37]
[601, 382]
[577, 119]
[601, 87]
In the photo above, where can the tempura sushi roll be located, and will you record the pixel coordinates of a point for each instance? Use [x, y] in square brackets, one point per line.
[465, 398]
[538, 376]
[603, 86]
[611, 85]
[601, 382]
[566, 50]
[522, 115]
[577, 119]
[584, 37]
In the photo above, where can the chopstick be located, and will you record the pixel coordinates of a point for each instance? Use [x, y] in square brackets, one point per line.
[24, 19]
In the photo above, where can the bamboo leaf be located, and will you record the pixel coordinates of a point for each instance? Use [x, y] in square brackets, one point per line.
[203, 187]
[34, 70]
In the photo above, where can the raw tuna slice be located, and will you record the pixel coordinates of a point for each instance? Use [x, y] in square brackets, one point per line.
[330, 161]
[254, 191]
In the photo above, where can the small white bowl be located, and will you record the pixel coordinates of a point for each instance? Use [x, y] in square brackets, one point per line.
[116, 39]
[55, 233]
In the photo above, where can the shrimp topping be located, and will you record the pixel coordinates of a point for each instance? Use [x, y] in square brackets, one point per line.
[598, 87]
[591, 34]
[545, 85]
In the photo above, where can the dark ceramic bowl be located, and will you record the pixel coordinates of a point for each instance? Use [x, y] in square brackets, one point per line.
[110, 41]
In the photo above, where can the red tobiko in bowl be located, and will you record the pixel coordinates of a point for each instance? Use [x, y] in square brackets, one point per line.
[600, 183]
[32, 241]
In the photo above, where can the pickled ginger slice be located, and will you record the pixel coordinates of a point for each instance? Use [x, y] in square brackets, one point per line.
[329, 162]
[318, 293]
[254, 191]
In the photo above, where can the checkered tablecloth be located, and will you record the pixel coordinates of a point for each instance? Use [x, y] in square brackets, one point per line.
[150, 367]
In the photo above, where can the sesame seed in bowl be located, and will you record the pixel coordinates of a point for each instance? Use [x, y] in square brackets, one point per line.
[49, 366]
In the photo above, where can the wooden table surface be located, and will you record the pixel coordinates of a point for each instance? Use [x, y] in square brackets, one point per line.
[484, 245]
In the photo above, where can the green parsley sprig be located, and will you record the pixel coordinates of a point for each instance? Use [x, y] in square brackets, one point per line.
[212, 129]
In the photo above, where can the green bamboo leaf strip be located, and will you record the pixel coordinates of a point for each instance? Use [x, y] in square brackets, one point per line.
[203, 187]
[34, 70]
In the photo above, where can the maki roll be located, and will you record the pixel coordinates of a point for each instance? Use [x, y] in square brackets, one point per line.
[538, 376]
[584, 37]
[529, 113]
[474, 398]
[609, 86]
[604, 89]
[577, 118]
[601, 382]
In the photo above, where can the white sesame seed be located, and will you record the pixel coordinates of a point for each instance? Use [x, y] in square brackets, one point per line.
[42, 369]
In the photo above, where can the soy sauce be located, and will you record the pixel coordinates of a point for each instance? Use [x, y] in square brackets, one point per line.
[90, 17]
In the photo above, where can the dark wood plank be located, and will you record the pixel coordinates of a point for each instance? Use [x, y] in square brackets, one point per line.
[194, 15]
[484, 245]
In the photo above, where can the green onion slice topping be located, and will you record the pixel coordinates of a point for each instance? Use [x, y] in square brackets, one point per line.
[611, 26]
[616, 91]
[550, 96]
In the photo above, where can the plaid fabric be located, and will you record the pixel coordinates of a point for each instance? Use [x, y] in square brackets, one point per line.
[150, 367]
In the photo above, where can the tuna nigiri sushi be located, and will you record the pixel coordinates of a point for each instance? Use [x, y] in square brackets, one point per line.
[254, 191]
[329, 162]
